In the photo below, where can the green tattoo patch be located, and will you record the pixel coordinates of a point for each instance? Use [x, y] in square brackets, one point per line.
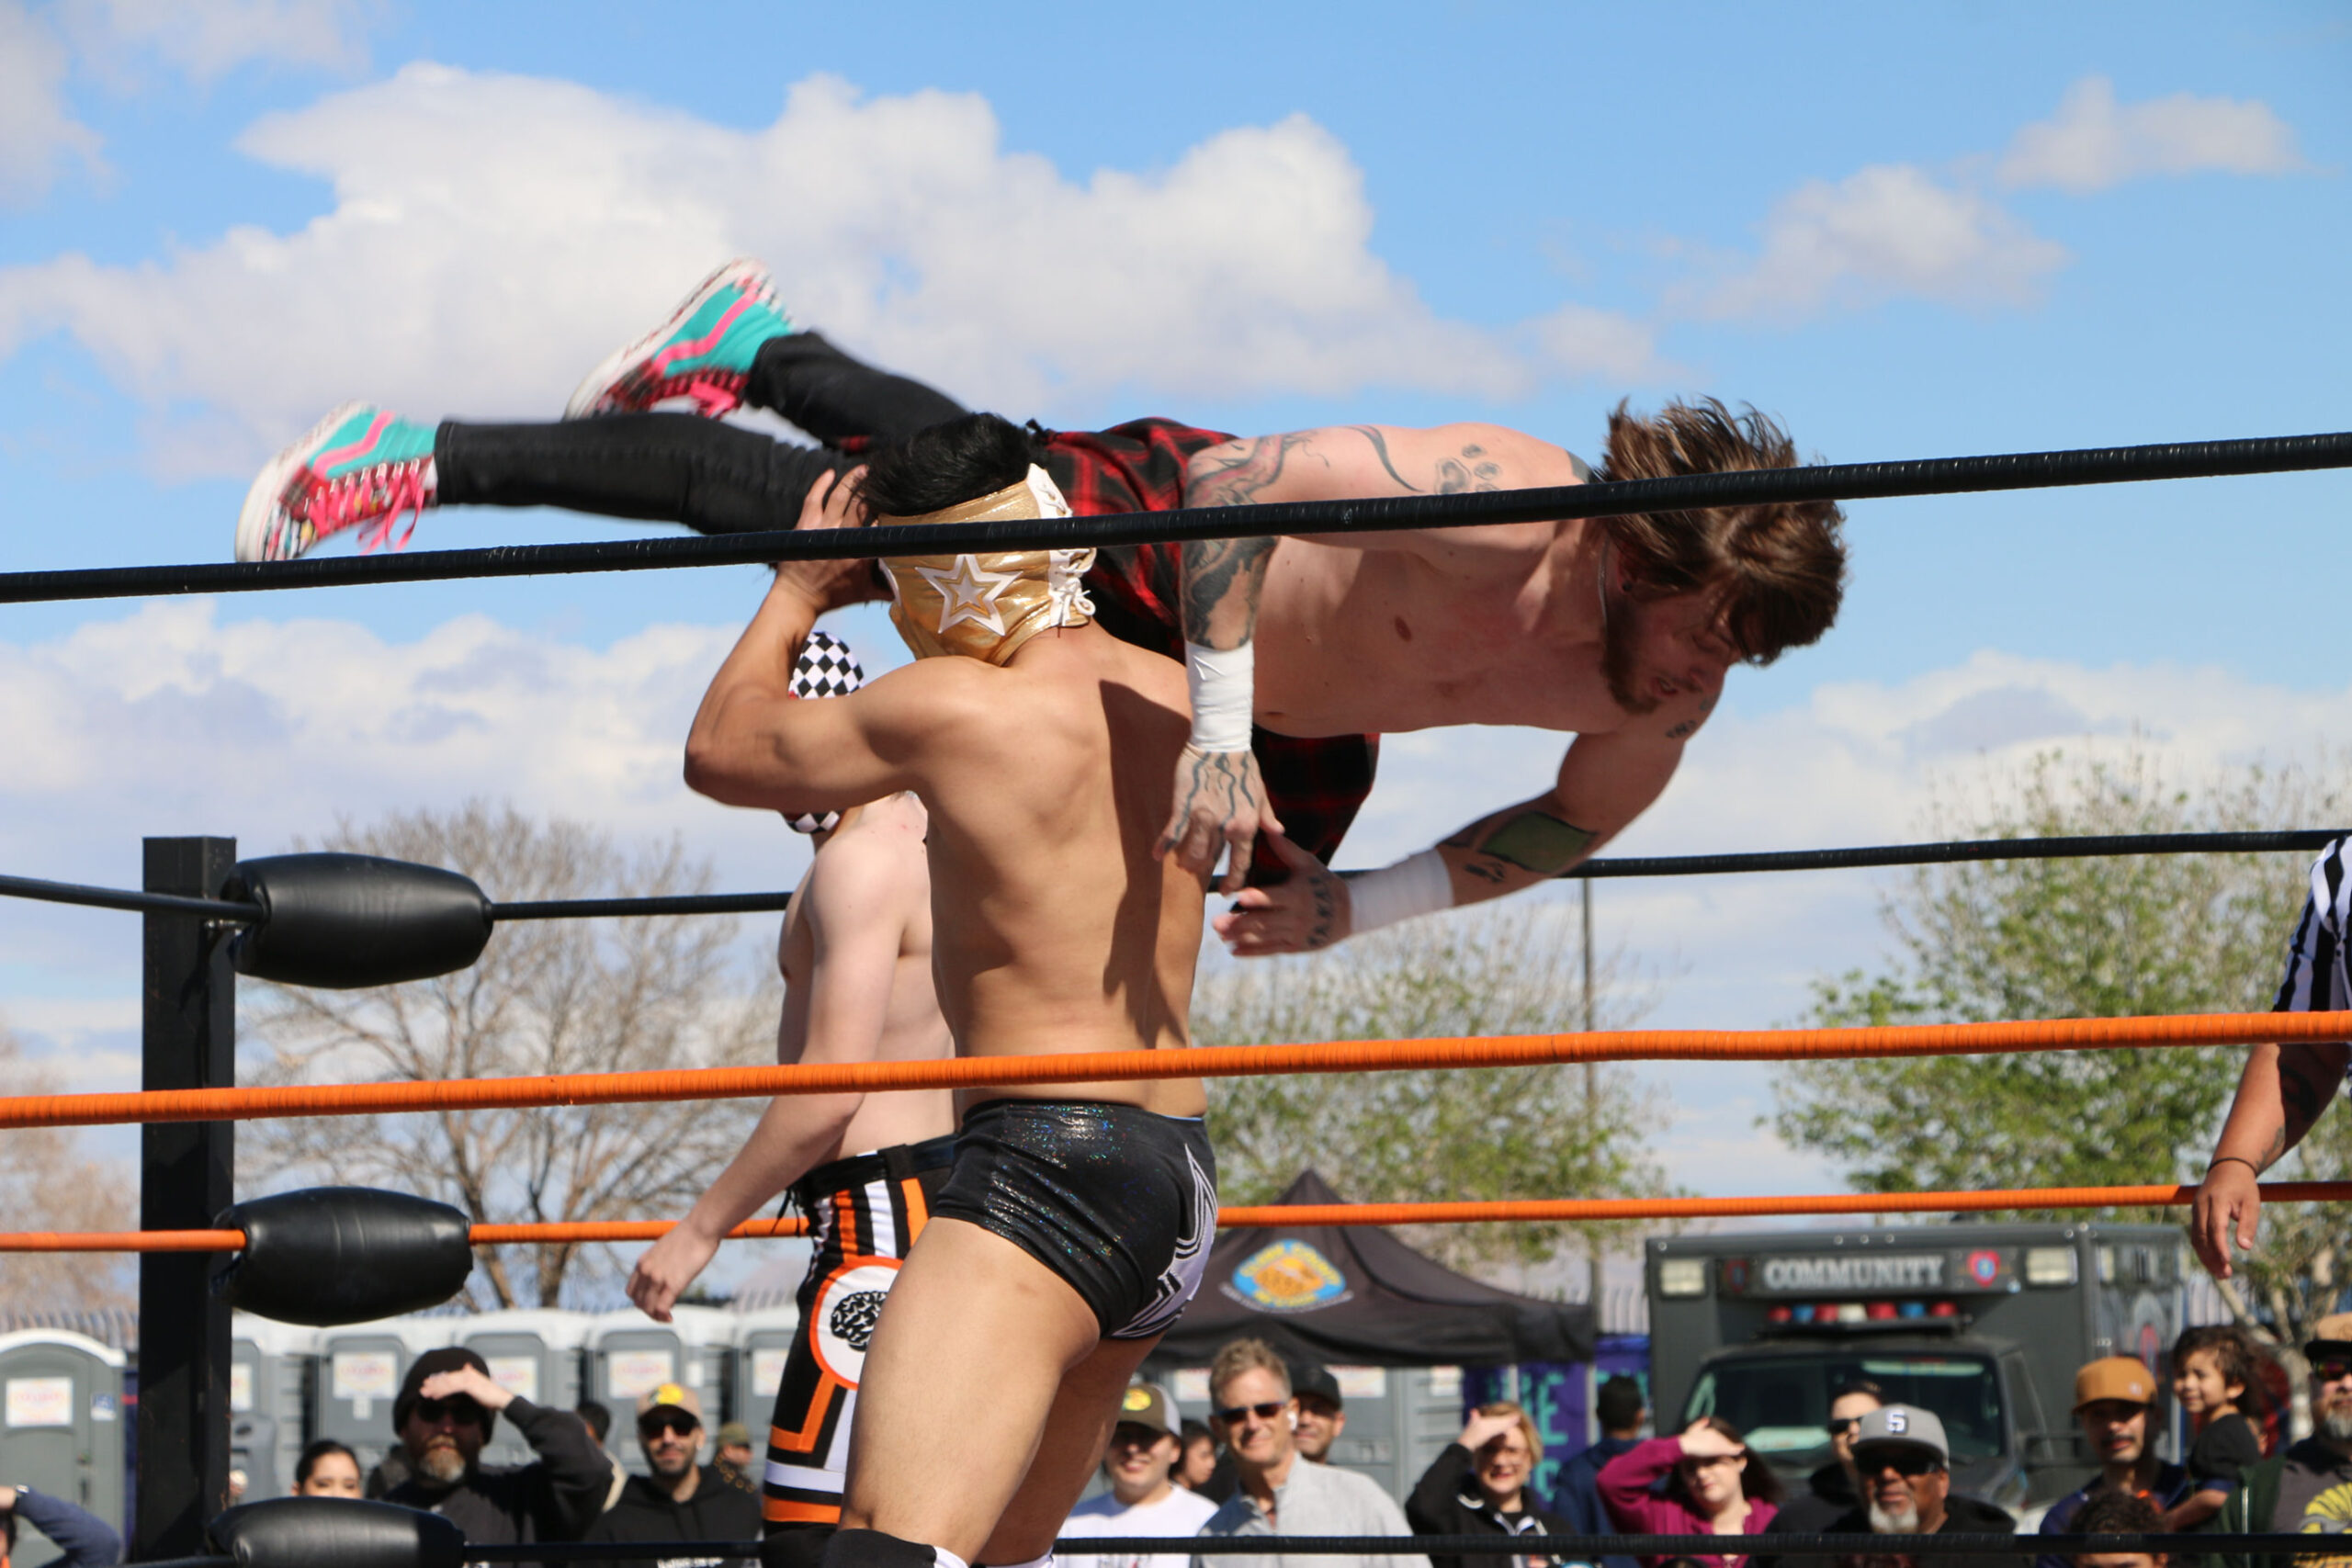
[1535, 842]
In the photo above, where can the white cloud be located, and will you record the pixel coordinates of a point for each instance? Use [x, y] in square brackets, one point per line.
[1887, 230]
[208, 40]
[38, 132]
[492, 236]
[2093, 142]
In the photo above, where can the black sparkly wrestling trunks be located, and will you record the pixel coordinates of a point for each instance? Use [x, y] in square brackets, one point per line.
[864, 1213]
[1118, 1201]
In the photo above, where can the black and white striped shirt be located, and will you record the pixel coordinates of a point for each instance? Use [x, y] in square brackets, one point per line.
[2316, 981]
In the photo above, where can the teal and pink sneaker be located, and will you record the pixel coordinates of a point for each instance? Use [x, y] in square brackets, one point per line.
[360, 467]
[703, 351]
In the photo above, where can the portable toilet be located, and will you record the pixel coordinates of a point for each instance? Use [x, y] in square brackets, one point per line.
[360, 1372]
[269, 1401]
[60, 1426]
[630, 1353]
[762, 1339]
[534, 1354]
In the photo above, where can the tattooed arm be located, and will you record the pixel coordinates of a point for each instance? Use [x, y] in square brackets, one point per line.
[2281, 1093]
[1605, 782]
[1220, 802]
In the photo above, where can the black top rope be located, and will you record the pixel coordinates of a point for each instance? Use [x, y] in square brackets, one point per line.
[2089, 846]
[1836, 482]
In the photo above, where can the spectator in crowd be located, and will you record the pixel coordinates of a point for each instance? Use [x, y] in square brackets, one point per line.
[1903, 1465]
[2213, 1380]
[1835, 1489]
[1712, 1487]
[2308, 1488]
[1479, 1486]
[2119, 1513]
[599, 1422]
[326, 1469]
[1322, 1414]
[1197, 1460]
[680, 1500]
[734, 1461]
[1277, 1495]
[2111, 1400]
[446, 1411]
[1619, 1408]
[84, 1539]
[1143, 1499]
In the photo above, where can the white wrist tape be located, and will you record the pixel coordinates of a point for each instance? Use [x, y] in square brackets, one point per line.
[1225, 690]
[1417, 885]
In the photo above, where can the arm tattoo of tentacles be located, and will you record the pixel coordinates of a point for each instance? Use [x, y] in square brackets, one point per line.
[1473, 470]
[1380, 449]
[1213, 568]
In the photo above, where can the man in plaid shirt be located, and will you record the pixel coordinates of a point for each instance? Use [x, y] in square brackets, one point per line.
[1618, 629]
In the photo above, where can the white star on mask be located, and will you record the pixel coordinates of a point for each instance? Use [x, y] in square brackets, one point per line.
[968, 593]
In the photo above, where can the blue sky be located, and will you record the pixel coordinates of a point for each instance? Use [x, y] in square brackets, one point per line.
[1907, 231]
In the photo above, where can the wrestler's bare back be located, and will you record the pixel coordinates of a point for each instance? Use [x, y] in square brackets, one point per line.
[1067, 934]
[1055, 929]
[872, 869]
[1478, 626]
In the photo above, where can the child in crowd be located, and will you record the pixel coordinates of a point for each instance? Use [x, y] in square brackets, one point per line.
[2213, 1377]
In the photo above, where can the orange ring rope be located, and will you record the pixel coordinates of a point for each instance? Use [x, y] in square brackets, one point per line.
[1276, 1215]
[1206, 1061]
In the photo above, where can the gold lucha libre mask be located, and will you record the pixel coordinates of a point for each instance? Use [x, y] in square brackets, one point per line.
[985, 605]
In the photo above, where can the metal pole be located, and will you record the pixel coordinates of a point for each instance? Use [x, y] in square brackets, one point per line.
[1591, 1103]
[186, 1169]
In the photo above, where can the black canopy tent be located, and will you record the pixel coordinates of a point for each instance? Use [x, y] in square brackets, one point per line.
[1355, 1295]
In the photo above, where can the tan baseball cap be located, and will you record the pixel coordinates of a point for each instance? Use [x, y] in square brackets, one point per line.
[675, 1395]
[2115, 1377]
[1146, 1405]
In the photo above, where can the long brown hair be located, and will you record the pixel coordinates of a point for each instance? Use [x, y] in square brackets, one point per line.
[1780, 569]
[1757, 1481]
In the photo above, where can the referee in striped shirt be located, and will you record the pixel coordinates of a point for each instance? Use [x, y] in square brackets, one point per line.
[2284, 1087]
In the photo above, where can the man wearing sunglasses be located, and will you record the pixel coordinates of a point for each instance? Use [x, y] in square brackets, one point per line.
[1903, 1465]
[446, 1411]
[1279, 1493]
[1836, 1488]
[2308, 1489]
[679, 1499]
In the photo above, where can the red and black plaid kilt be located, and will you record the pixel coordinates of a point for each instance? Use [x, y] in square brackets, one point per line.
[1317, 785]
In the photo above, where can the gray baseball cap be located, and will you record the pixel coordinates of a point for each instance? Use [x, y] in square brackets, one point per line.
[1902, 1425]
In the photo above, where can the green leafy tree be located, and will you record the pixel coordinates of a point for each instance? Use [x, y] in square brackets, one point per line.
[1414, 1137]
[2107, 936]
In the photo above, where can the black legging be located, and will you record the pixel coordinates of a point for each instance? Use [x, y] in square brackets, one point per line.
[676, 468]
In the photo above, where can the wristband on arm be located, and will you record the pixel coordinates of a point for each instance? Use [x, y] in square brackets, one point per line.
[1224, 686]
[1419, 884]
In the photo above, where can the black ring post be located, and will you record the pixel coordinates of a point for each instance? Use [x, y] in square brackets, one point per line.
[190, 1042]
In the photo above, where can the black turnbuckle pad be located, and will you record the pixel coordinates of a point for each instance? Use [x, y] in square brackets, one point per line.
[330, 1255]
[342, 921]
[347, 1532]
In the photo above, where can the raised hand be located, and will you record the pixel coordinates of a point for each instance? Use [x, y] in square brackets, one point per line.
[833, 502]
